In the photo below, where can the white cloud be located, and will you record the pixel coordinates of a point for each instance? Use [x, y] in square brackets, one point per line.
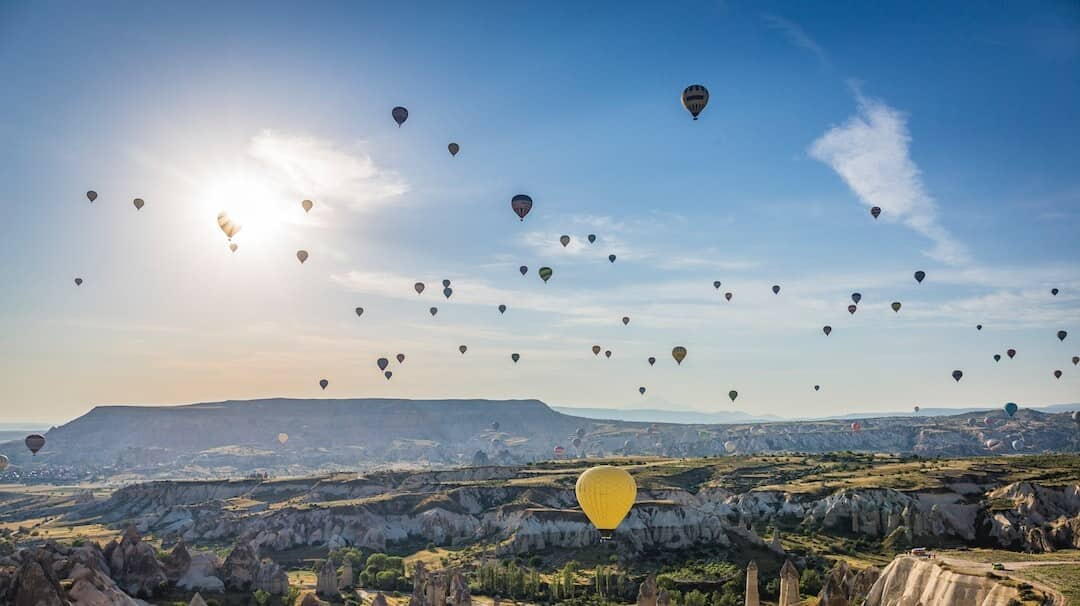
[795, 34]
[870, 152]
[325, 171]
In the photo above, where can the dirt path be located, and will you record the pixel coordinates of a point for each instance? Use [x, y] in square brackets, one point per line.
[1011, 568]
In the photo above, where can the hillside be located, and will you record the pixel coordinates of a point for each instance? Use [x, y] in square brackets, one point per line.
[225, 439]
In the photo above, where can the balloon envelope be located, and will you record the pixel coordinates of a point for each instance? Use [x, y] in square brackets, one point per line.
[856, 297]
[564, 240]
[694, 98]
[433, 311]
[679, 353]
[875, 211]
[919, 275]
[307, 204]
[606, 495]
[227, 225]
[138, 202]
[956, 374]
[462, 349]
[641, 390]
[896, 306]
[1054, 291]
[1061, 334]
[78, 281]
[716, 284]
[233, 246]
[400, 358]
[382, 363]
[323, 383]
[419, 287]
[596, 350]
[400, 115]
[728, 295]
[852, 309]
[1011, 353]
[523, 269]
[388, 374]
[283, 437]
[592, 238]
[776, 289]
[91, 195]
[302, 255]
[611, 258]
[545, 274]
[521, 204]
[732, 394]
[502, 309]
[447, 292]
[625, 320]
[454, 148]
[359, 311]
[515, 357]
[34, 442]
[827, 330]
[652, 360]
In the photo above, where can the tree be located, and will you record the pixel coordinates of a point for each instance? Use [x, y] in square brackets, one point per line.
[810, 582]
[261, 597]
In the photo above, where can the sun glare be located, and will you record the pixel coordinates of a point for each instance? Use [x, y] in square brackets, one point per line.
[255, 202]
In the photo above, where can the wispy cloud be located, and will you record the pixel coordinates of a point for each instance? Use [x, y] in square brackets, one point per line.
[870, 152]
[326, 171]
[796, 35]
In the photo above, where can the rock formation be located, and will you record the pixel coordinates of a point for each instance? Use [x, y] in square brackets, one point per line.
[752, 598]
[459, 590]
[647, 591]
[309, 599]
[346, 581]
[197, 600]
[846, 586]
[134, 564]
[271, 578]
[439, 587]
[326, 583]
[36, 584]
[908, 580]
[241, 567]
[662, 598]
[379, 600]
[178, 561]
[789, 584]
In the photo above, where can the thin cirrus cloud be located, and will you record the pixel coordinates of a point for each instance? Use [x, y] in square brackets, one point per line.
[328, 171]
[796, 35]
[870, 152]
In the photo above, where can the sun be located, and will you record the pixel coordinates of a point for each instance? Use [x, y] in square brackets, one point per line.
[256, 202]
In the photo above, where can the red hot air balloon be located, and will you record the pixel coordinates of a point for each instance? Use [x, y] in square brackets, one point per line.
[521, 205]
[856, 426]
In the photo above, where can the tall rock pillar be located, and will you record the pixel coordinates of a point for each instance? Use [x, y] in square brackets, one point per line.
[789, 584]
[752, 598]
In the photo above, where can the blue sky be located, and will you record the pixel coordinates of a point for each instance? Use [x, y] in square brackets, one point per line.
[959, 121]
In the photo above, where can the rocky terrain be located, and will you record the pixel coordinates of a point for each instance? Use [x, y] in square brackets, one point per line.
[236, 438]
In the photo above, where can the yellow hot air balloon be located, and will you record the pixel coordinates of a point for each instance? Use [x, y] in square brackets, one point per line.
[606, 494]
[283, 437]
[227, 225]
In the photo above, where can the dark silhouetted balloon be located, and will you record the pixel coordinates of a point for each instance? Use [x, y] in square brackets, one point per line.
[433, 311]
[359, 311]
[592, 238]
[1057, 374]
[564, 240]
[856, 297]
[454, 148]
[596, 350]
[694, 98]
[302, 255]
[956, 374]
[91, 195]
[1011, 353]
[875, 211]
[817, 388]
[732, 394]
[679, 353]
[625, 320]
[607, 354]
[919, 275]
[307, 205]
[827, 330]
[382, 363]
[997, 357]
[523, 269]
[1061, 334]
[728, 295]
[446, 283]
[447, 292]
[1076, 360]
[611, 258]
[652, 360]
[851, 309]
[388, 374]
[323, 383]
[641, 390]
[463, 349]
[545, 274]
[896, 306]
[400, 358]
[502, 309]
[1011, 408]
[716, 284]
[515, 357]
[138, 202]
[419, 288]
[400, 115]
[916, 410]
[1054, 291]
[776, 289]
[978, 327]
[34, 441]
[78, 281]
[521, 205]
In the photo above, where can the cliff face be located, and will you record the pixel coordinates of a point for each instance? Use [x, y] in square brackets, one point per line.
[914, 582]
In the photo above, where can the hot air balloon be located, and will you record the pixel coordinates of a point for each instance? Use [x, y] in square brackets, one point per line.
[323, 383]
[388, 374]
[679, 353]
[400, 358]
[856, 426]
[956, 374]
[454, 148]
[896, 306]
[728, 295]
[559, 451]
[400, 115]
[641, 390]
[447, 292]
[592, 238]
[730, 446]
[1057, 374]
[827, 330]
[462, 349]
[545, 274]
[625, 320]
[227, 225]
[307, 204]
[919, 275]
[34, 442]
[1018, 444]
[611, 258]
[564, 240]
[856, 297]
[78, 281]
[515, 357]
[997, 357]
[694, 98]
[419, 287]
[775, 289]
[282, 438]
[446, 283]
[652, 360]
[991, 444]
[138, 202]
[1053, 291]
[1076, 360]
[1061, 334]
[817, 388]
[302, 255]
[233, 246]
[1011, 353]
[606, 495]
[382, 363]
[521, 205]
[716, 284]
[91, 195]
[3, 463]
[433, 311]
[523, 269]
[852, 309]
[502, 309]
[732, 394]
[988, 421]
[607, 354]
[916, 410]
[978, 327]
[1076, 417]
[875, 211]
[596, 350]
